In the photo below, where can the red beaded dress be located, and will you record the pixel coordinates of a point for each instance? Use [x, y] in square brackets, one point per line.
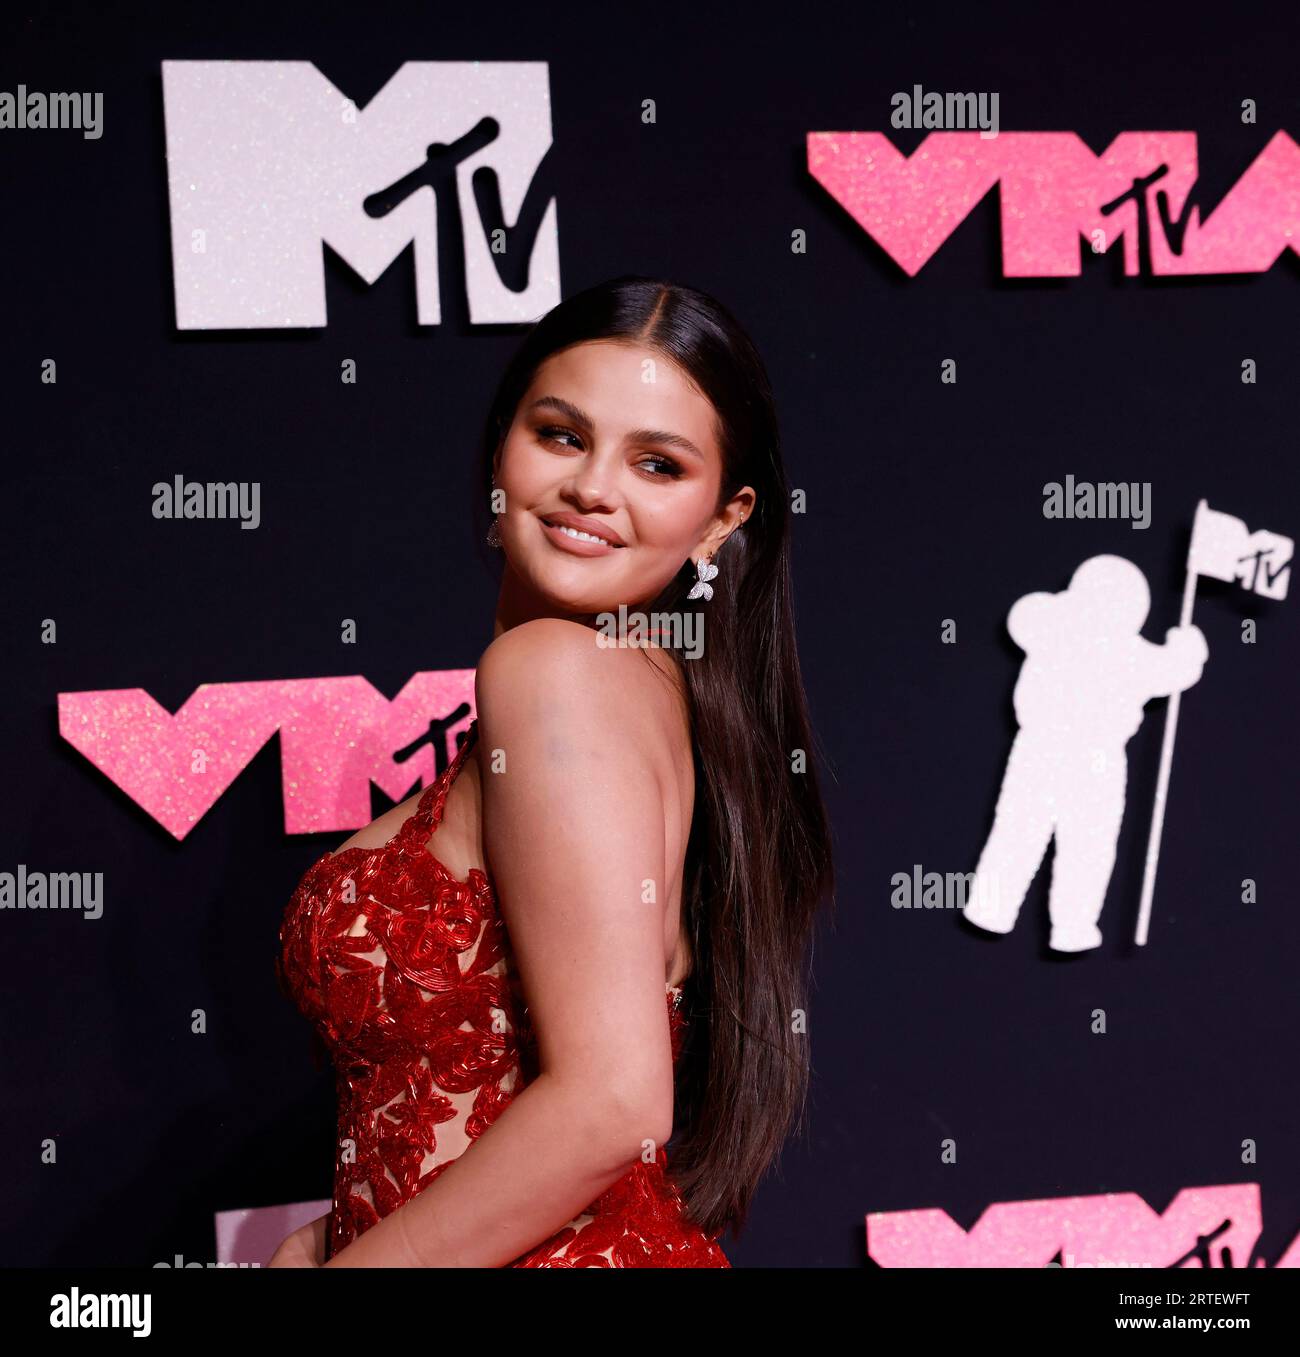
[407, 974]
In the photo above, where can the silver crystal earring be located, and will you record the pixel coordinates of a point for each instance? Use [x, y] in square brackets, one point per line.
[704, 573]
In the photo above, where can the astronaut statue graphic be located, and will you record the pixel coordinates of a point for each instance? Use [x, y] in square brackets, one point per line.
[1086, 676]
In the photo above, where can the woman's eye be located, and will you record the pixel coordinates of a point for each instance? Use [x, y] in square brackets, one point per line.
[664, 466]
[553, 435]
[660, 468]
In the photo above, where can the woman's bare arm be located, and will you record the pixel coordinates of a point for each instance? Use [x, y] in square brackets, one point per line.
[573, 834]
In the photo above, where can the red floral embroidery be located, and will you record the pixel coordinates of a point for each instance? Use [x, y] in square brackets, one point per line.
[421, 1010]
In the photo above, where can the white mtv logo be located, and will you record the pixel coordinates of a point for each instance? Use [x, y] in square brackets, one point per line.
[267, 159]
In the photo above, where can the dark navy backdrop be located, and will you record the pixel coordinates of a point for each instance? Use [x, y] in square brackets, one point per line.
[924, 503]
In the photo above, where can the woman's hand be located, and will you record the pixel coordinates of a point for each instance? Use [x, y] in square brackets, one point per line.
[305, 1247]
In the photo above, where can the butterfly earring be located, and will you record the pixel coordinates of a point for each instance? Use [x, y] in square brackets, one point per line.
[704, 573]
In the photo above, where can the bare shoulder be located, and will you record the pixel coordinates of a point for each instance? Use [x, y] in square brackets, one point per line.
[550, 673]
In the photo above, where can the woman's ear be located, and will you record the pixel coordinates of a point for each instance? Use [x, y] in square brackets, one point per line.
[739, 507]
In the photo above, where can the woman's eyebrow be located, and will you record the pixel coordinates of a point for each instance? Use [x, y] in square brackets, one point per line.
[571, 411]
[566, 408]
[671, 440]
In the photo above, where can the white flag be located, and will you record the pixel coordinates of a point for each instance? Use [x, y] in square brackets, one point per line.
[1225, 549]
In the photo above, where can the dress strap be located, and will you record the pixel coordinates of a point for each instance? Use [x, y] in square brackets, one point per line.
[428, 810]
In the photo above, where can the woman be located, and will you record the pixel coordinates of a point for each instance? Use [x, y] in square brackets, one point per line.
[625, 825]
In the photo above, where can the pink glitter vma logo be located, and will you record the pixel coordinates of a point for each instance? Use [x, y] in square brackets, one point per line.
[1202, 1227]
[1053, 190]
[337, 736]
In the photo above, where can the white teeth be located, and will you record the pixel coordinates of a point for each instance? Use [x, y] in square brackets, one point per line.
[582, 536]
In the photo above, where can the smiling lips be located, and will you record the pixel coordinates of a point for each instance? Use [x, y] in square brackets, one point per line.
[581, 536]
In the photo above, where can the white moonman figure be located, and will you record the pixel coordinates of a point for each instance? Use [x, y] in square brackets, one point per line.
[1086, 676]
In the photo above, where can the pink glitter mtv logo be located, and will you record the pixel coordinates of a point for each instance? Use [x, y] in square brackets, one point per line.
[1202, 1227]
[1054, 192]
[337, 736]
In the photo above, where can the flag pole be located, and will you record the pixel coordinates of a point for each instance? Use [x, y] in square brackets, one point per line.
[1166, 759]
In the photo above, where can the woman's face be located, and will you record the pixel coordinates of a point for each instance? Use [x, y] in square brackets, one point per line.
[610, 438]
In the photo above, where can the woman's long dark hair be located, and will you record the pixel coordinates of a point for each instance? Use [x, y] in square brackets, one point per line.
[759, 857]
